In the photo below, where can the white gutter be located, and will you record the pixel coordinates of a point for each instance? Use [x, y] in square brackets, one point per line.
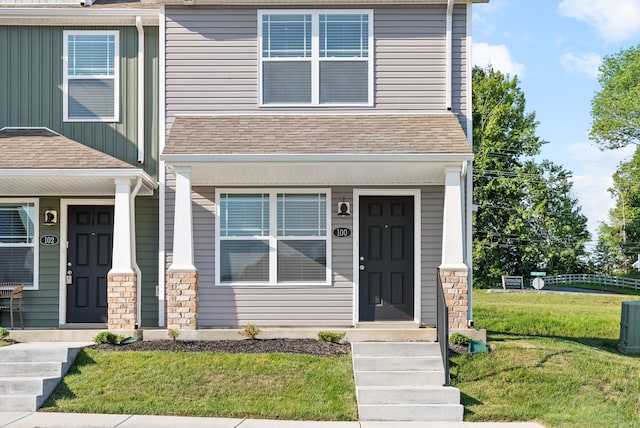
[140, 89]
[195, 159]
[134, 261]
[449, 55]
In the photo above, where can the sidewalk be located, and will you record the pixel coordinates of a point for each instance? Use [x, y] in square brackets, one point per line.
[68, 420]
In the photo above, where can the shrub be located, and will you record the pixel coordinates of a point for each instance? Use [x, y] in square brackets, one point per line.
[173, 333]
[331, 336]
[459, 339]
[251, 331]
[107, 337]
[3, 333]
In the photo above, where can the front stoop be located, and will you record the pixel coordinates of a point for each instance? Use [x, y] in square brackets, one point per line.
[29, 373]
[402, 381]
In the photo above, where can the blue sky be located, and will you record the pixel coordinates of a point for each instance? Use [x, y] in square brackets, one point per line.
[555, 48]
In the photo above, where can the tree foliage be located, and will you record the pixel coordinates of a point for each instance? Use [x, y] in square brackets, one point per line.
[526, 219]
[619, 237]
[616, 107]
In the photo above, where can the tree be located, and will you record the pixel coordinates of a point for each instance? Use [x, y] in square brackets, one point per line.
[620, 235]
[616, 107]
[526, 219]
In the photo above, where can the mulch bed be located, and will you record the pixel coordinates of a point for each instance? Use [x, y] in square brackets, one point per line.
[249, 346]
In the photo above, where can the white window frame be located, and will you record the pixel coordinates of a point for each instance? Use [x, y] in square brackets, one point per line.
[36, 236]
[115, 77]
[315, 56]
[273, 235]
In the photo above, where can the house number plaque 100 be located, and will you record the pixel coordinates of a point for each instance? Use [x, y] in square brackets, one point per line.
[342, 232]
[48, 240]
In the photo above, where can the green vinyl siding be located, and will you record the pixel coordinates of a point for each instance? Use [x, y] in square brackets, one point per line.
[31, 81]
[147, 256]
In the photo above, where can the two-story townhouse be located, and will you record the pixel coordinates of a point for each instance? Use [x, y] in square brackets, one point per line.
[79, 161]
[317, 162]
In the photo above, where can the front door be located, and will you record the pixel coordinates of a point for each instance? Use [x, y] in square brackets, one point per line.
[88, 262]
[386, 258]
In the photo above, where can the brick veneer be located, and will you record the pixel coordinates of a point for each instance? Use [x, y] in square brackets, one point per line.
[456, 293]
[182, 299]
[122, 297]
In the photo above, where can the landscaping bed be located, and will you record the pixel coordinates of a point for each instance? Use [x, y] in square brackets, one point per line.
[313, 347]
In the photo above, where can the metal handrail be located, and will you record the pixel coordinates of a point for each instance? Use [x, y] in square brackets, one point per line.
[443, 328]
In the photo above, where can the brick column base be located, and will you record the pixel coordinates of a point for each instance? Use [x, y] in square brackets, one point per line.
[182, 299]
[456, 293]
[122, 298]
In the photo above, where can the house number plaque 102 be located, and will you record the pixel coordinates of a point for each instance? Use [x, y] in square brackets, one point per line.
[48, 240]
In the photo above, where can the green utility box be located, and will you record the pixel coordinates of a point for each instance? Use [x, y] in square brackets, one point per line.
[630, 328]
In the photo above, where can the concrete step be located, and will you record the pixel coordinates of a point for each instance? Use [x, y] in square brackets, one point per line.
[411, 412]
[432, 394]
[389, 363]
[21, 354]
[406, 349]
[399, 378]
[40, 369]
[26, 385]
[19, 403]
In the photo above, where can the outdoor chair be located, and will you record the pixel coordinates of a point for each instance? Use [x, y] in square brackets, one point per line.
[11, 299]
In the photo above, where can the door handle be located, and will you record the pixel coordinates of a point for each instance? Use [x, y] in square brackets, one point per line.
[361, 267]
[69, 277]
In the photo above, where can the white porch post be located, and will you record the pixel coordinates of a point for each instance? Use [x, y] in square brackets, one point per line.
[452, 236]
[121, 262]
[182, 275]
[122, 285]
[453, 271]
[183, 223]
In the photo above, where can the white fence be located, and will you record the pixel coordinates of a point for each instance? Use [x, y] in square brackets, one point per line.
[612, 281]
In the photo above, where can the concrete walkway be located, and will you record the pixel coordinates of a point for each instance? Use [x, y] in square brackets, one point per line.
[70, 420]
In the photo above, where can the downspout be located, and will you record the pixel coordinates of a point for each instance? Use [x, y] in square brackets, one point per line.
[449, 55]
[134, 258]
[469, 210]
[140, 90]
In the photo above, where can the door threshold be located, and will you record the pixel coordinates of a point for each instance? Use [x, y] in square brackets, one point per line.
[84, 326]
[388, 324]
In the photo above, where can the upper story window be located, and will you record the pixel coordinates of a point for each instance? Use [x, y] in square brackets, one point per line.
[312, 58]
[91, 76]
[18, 241]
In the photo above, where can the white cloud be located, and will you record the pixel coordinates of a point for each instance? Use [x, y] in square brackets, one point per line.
[615, 20]
[585, 64]
[497, 56]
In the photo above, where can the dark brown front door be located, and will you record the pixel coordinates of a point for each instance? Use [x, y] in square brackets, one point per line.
[386, 258]
[88, 261]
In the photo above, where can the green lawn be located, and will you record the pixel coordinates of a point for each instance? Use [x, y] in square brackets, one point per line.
[273, 386]
[555, 362]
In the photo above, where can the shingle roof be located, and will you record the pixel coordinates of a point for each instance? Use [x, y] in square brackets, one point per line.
[318, 134]
[41, 148]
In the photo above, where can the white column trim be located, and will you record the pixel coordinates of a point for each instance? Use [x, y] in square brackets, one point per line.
[183, 223]
[122, 261]
[452, 232]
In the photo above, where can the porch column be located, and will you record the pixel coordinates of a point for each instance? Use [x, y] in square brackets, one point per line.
[122, 285]
[182, 275]
[453, 271]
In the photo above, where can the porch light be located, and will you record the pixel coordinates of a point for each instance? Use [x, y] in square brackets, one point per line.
[344, 209]
[50, 217]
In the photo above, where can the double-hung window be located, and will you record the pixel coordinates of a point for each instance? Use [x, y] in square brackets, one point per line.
[316, 57]
[91, 76]
[272, 237]
[18, 246]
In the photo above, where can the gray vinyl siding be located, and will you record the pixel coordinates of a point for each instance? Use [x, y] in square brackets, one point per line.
[212, 60]
[229, 306]
[31, 79]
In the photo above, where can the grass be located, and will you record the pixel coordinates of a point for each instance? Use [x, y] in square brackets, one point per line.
[271, 386]
[555, 361]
